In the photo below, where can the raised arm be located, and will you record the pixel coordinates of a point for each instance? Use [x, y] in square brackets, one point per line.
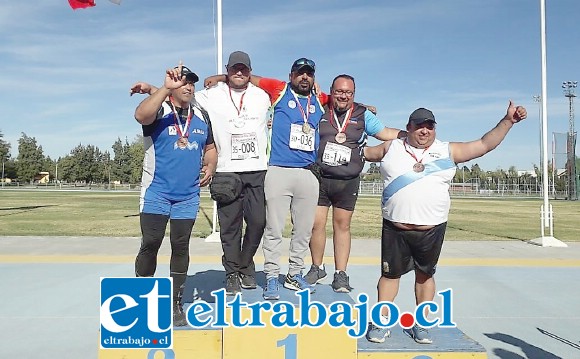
[146, 112]
[466, 151]
[142, 88]
[389, 133]
[375, 127]
[211, 81]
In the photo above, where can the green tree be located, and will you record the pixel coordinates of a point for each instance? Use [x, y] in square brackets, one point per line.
[8, 169]
[121, 164]
[4, 149]
[66, 169]
[136, 155]
[30, 159]
[84, 164]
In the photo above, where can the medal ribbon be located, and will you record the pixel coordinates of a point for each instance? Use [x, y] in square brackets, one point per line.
[339, 127]
[405, 143]
[304, 114]
[181, 131]
[239, 109]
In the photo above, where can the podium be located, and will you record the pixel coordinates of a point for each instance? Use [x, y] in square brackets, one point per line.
[305, 342]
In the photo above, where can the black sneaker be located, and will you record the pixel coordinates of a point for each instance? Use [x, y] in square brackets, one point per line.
[248, 281]
[315, 274]
[297, 282]
[340, 283]
[178, 315]
[233, 284]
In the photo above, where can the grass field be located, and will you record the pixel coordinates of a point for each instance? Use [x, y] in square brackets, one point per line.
[116, 214]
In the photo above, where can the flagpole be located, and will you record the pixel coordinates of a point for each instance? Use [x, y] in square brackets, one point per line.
[215, 235]
[546, 214]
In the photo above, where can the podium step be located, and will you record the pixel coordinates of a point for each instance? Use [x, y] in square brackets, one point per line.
[448, 343]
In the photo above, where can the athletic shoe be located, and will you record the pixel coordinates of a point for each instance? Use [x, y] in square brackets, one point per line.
[233, 284]
[272, 290]
[248, 281]
[340, 283]
[297, 282]
[315, 275]
[178, 315]
[377, 334]
[420, 334]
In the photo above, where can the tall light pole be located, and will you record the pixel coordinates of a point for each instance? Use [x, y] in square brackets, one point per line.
[215, 234]
[546, 212]
[569, 91]
[538, 100]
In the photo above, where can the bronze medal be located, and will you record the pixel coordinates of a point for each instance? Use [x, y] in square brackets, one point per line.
[340, 137]
[306, 127]
[182, 142]
[418, 167]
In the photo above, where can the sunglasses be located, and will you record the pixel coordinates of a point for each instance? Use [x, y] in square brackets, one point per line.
[303, 62]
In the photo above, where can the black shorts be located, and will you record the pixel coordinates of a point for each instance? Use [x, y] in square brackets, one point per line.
[403, 251]
[339, 193]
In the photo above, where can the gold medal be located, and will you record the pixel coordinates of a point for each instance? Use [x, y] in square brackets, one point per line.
[306, 127]
[418, 167]
[182, 142]
[340, 137]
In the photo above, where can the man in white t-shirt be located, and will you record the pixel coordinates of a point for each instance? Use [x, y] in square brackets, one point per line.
[238, 112]
[417, 172]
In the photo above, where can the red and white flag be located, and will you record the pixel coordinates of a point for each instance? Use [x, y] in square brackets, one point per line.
[81, 4]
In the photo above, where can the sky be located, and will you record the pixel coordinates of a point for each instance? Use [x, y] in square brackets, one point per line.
[65, 75]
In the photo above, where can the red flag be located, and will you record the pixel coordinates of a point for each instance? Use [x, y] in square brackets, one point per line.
[81, 4]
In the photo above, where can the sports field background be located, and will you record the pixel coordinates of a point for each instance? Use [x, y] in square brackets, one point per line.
[116, 214]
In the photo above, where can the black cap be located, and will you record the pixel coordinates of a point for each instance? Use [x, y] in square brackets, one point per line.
[421, 115]
[302, 63]
[239, 57]
[189, 75]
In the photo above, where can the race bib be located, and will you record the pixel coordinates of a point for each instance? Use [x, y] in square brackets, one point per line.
[244, 146]
[335, 154]
[300, 140]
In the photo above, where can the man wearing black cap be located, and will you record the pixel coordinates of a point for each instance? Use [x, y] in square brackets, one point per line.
[179, 146]
[417, 172]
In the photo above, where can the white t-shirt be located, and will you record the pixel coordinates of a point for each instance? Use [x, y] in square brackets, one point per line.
[420, 198]
[239, 124]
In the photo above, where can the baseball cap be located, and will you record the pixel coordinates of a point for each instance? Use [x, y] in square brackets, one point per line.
[189, 75]
[239, 57]
[302, 63]
[421, 115]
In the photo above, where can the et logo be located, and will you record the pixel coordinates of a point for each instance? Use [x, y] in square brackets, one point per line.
[136, 313]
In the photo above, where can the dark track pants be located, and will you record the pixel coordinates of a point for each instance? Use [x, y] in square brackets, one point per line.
[238, 254]
[153, 230]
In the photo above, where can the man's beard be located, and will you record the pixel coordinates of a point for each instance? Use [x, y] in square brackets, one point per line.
[300, 91]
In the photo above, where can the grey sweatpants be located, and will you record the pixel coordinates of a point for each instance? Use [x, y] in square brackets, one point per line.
[295, 189]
